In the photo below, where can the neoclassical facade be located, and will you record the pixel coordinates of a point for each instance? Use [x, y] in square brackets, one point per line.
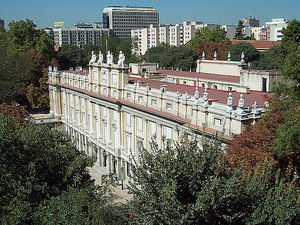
[111, 114]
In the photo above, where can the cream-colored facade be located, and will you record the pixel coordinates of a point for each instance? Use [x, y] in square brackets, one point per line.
[110, 114]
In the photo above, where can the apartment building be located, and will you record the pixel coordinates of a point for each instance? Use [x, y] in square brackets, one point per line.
[174, 35]
[79, 35]
[123, 19]
[274, 29]
[111, 113]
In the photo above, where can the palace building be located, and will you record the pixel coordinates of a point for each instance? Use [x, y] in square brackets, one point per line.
[111, 110]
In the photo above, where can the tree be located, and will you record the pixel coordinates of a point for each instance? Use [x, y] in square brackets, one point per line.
[72, 56]
[239, 34]
[187, 184]
[210, 48]
[291, 53]
[23, 36]
[42, 175]
[251, 53]
[205, 34]
[171, 57]
[270, 59]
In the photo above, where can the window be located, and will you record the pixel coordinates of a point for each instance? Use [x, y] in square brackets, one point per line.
[83, 118]
[218, 122]
[169, 106]
[168, 133]
[139, 123]
[104, 112]
[153, 128]
[140, 98]
[153, 102]
[77, 117]
[115, 115]
[229, 88]
[128, 119]
[115, 138]
[215, 87]
[128, 143]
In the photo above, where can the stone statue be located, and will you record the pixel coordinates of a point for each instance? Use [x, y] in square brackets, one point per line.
[203, 55]
[110, 59]
[241, 101]
[196, 94]
[243, 57]
[54, 69]
[100, 60]
[228, 56]
[94, 57]
[230, 99]
[50, 68]
[254, 107]
[215, 55]
[205, 95]
[121, 59]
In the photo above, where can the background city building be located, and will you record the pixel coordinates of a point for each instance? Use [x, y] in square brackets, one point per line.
[123, 19]
[250, 22]
[79, 35]
[174, 35]
[274, 29]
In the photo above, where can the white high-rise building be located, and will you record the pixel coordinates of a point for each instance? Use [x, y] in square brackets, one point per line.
[274, 29]
[123, 19]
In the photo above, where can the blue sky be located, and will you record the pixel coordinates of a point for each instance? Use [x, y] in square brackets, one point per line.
[45, 12]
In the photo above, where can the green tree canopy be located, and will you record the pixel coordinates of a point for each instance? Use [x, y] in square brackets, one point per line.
[205, 34]
[187, 184]
[291, 52]
[44, 178]
[270, 59]
[251, 53]
[171, 57]
[239, 34]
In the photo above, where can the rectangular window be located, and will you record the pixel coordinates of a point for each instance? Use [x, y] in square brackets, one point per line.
[115, 115]
[115, 138]
[168, 132]
[153, 128]
[90, 123]
[140, 98]
[218, 122]
[128, 119]
[128, 143]
[77, 117]
[83, 118]
[139, 123]
[104, 112]
[169, 106]
[153, 102]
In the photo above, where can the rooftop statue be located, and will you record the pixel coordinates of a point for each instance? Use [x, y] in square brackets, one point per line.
[121, 59]
[100, 60]
[94, 57]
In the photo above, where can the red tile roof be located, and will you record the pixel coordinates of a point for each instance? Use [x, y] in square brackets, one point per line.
[260, 45]
[207, 76]
[218, 96]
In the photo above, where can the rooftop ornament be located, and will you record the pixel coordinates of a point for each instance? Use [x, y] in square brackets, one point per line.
[215, 55]
[241, 102]
[100, 60]
[196, 94]
[203, 55]
[243, 57]
[109, 58]
[94, 57]
[121, 59]
[50, 68]
[178, 93]
[230, 101]
[228, 56]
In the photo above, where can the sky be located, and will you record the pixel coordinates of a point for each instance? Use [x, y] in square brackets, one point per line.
[45, 12]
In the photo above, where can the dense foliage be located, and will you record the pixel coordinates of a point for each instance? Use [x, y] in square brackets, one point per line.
[188, 184]
[44, 179]
[239, 33]
[209, 48]
[205, 34]
[251, 53]
[171, 57]
[24, 52]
